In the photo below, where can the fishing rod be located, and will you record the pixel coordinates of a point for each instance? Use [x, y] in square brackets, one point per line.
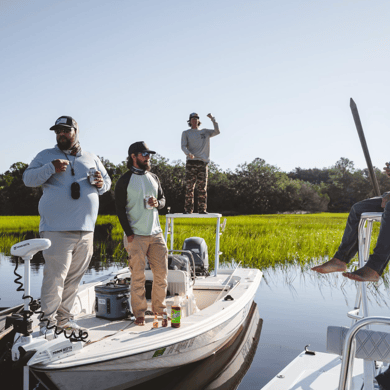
[363, 142]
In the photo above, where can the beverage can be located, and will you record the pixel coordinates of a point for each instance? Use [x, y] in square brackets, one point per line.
[146, 200]
[91, 175]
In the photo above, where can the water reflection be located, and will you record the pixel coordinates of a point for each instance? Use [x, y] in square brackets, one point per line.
[224, 370]
[378, 293]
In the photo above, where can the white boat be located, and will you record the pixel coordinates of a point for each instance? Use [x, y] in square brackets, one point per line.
[355, 356]
[119, 354]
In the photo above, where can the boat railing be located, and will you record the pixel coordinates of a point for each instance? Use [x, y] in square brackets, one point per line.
[350, 348]
[169, 229]
[364, 238]
[360, 311]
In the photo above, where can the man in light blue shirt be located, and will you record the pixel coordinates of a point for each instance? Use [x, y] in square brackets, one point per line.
[68, 209]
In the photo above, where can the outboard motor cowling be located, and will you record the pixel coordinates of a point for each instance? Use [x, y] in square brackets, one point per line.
[198, 247]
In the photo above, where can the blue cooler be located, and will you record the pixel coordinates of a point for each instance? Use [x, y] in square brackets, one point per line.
[112, 301]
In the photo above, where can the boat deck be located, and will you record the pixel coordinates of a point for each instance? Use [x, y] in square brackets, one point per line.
[315, 372]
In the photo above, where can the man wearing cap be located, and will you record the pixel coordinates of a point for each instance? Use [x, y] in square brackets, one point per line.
[68, 209]
[195, 143]
[138, 196]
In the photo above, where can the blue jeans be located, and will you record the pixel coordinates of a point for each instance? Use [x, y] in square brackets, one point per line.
[349, 244]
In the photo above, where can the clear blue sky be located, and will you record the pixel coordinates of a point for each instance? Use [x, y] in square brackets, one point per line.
[277, 75]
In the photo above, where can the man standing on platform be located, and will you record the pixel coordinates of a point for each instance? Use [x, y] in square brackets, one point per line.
[68, 209]
[195, 144]
[138, 196]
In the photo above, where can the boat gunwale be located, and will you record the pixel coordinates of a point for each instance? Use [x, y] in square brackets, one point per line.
[194, 329]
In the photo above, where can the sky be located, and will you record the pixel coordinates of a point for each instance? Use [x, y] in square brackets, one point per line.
[277, 75]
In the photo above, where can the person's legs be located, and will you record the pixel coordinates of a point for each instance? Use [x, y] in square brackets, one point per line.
[137, 250]
[58, 258]
[349, 244]
[202, 177]
[158, 260]
[81, 257]
[190, 185]
[378, 260]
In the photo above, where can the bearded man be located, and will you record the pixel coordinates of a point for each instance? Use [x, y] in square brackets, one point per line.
[68, 209]
[138, 196]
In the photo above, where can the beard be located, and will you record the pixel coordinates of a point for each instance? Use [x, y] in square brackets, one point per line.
[143, 165]
[64, 143]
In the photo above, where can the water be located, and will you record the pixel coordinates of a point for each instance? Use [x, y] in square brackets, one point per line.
[296, 308]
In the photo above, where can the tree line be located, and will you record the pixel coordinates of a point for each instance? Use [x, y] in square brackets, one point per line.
[252, 188]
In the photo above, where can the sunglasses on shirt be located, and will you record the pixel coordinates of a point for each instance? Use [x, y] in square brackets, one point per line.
[75, 190]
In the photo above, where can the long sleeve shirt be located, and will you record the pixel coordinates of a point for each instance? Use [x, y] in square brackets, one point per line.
[58, 210]
[197, 142]
[130, 192]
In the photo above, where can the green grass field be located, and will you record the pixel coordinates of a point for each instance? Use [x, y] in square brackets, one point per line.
[259, 241]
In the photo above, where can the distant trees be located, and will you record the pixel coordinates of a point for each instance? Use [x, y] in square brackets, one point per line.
[252, 188]
[343, 184]
[15, 197]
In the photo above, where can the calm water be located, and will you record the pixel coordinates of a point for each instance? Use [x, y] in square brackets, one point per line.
[296, 308]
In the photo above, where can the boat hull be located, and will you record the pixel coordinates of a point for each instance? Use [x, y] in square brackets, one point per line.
[166, 349]
[131, 370]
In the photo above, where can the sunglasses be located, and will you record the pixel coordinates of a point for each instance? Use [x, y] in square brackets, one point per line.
[144, 154]
[75, 190]
[63, 130]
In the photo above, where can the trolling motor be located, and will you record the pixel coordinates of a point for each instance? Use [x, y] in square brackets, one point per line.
[28, 350]
[26, 250]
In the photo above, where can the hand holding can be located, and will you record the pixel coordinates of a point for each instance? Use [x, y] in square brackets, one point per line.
[150, 202]
[91, 176]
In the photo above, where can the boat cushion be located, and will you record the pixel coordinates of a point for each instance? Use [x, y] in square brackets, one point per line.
[370, 344]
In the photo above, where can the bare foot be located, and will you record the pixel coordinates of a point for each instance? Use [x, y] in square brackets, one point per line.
[333, 265]
[364, 274]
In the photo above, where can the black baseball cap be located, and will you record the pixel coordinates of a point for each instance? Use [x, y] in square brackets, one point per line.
[65, 121]
[139, 147]
[194, 115]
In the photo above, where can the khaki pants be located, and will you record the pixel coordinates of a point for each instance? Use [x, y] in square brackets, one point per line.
[66, 261]
[155, 249]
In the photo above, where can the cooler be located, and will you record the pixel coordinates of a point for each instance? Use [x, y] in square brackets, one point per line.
[112, 301]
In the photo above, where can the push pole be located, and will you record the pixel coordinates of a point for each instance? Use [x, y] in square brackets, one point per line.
[363, 142]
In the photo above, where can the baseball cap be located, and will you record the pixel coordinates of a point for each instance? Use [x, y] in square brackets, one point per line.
[65, 121]
[194, 115]
[139, 147]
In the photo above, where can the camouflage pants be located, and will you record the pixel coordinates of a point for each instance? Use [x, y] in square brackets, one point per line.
[196, 172]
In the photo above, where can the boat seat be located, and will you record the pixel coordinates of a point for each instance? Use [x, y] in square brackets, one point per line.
[370, 344]
[178, 281]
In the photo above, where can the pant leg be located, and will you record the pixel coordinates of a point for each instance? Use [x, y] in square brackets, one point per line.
[81, 257]
[381, 255]
[190, 185]
[137, 250]
[349, 244]
[201, 182]
[58, 258]
[158, 260]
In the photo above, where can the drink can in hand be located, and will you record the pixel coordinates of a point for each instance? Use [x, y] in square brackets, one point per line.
[91, 175]
[146, 200]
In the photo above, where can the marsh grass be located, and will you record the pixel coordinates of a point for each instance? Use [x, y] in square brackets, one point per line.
[259, 241]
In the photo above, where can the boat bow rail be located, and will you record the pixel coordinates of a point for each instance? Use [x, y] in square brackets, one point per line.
[349, 349]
